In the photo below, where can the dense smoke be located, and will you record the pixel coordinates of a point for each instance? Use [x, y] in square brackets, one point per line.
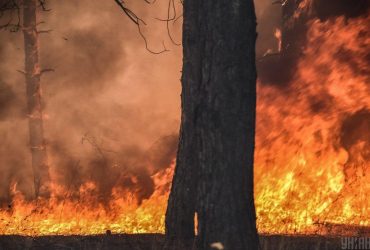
[111, 110]
[111, 107]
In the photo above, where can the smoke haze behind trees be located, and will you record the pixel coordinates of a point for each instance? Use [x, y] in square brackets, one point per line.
[111, 108]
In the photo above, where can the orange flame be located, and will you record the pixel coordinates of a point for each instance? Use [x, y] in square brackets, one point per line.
[300, 160]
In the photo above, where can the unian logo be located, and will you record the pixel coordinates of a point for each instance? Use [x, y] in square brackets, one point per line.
[356, 243]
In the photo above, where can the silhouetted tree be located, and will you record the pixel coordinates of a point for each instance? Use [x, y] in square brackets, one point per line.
[214, 171]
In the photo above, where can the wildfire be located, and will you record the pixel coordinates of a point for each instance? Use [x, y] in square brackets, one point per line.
[311, 162]
[63, 215]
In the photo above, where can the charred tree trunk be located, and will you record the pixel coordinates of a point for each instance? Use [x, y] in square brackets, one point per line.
[214, 172]
[32, 74]
[181, 208]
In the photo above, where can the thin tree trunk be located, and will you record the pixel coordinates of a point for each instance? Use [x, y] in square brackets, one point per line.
[33, 73]
[214, 172]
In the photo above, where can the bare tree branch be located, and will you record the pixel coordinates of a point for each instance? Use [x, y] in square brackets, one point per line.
[21, 71]
[93, 142]
[138, 21]
[46, 70]
[44, 31]
[129, 13]
[174, 18]
[42, 4]
[10, 17]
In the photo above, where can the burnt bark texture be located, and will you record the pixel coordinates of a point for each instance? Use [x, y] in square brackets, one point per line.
[214, 171]
[34, 101]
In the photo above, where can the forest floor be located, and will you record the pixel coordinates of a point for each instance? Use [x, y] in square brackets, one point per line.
[154, 242]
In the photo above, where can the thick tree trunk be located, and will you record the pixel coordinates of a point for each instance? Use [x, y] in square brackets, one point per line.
[33, 73]
[214, 172]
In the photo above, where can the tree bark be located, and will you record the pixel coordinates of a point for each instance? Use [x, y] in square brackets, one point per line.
[34, 103]
[181, 208]
[214, 172]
